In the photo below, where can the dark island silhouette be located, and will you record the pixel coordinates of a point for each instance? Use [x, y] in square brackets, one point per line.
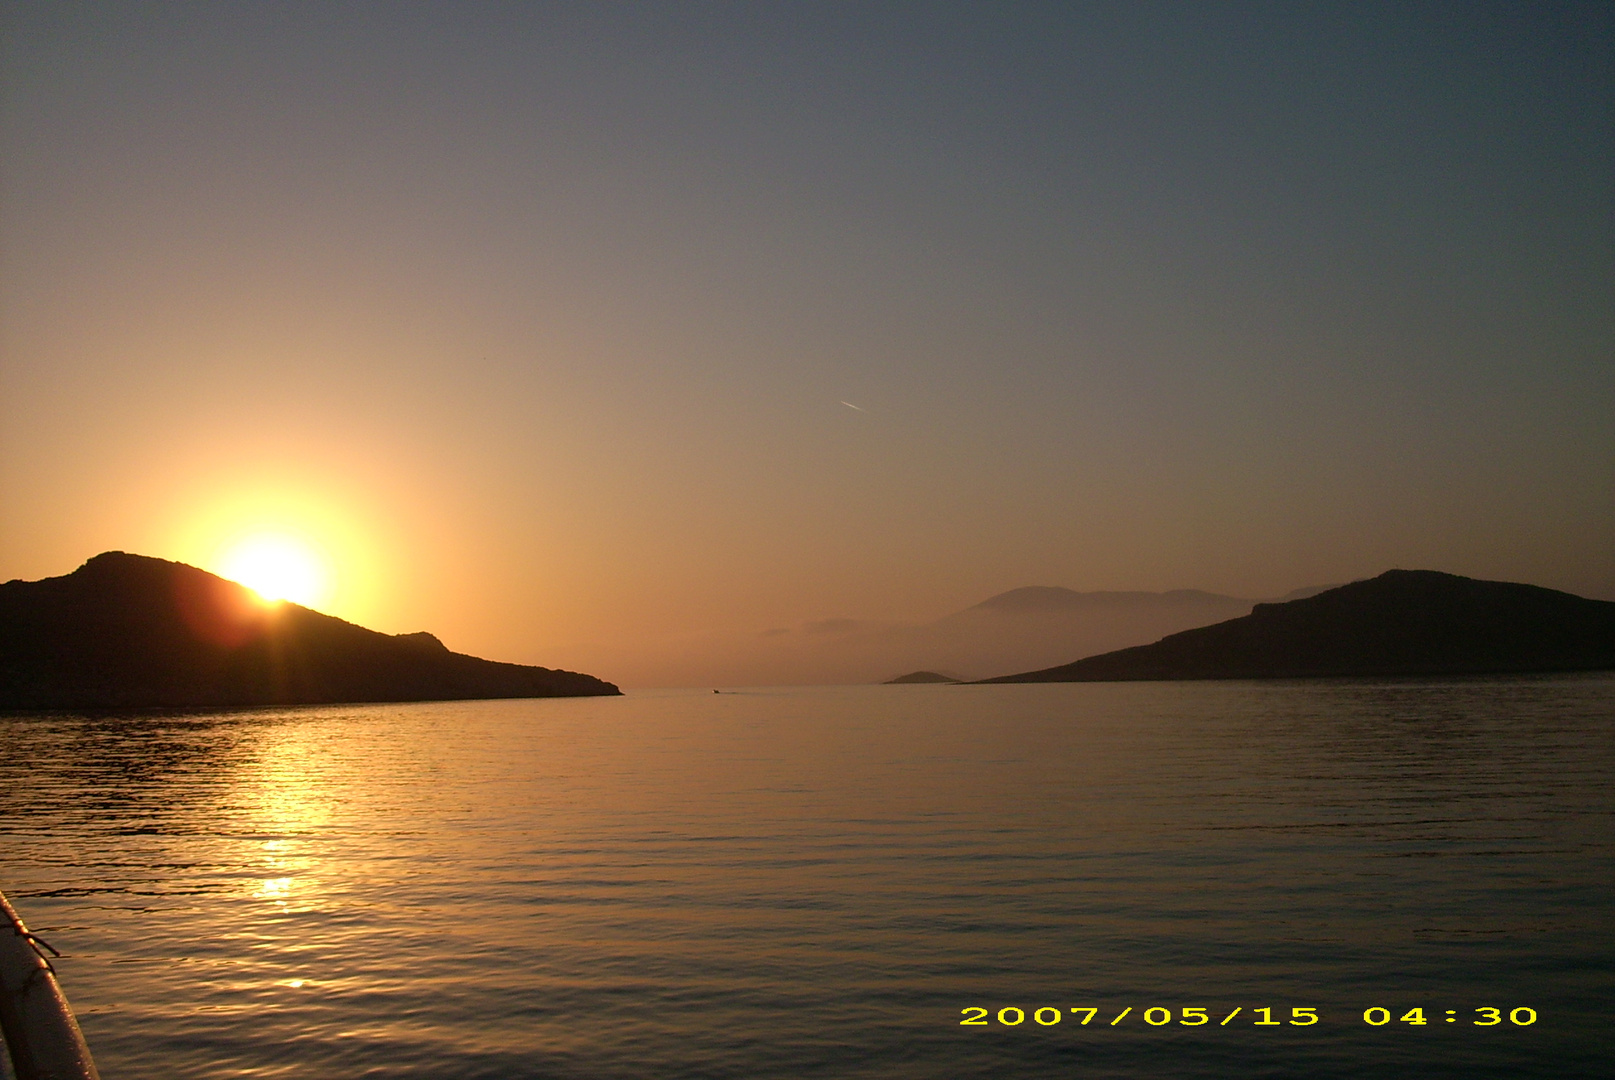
[921, 677]
[129, 631]
[1404, 622]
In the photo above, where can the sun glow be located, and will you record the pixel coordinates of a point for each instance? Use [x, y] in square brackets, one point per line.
[278, 567]
[322, 544]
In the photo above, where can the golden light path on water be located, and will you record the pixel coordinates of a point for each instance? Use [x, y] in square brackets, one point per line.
[285, 801]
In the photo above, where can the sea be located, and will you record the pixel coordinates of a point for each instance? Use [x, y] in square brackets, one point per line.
[1310, 879]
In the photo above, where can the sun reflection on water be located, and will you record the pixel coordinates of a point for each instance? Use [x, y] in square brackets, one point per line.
[286, 804]
[277, 889]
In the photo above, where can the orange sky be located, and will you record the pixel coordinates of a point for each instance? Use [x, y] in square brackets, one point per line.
[540, 322]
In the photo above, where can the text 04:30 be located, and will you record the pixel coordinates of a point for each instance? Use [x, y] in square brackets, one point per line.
[1379, 1016]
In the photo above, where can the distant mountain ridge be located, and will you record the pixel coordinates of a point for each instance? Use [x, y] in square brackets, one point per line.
[1404, 622]
[1038, 625]
[921, 677]
[1022, 629]
[130, 631]
[1055, 598]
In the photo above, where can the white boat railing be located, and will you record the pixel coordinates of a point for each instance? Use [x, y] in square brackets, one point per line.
[41, 1033]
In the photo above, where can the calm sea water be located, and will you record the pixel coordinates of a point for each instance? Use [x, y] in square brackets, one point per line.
[819, 882]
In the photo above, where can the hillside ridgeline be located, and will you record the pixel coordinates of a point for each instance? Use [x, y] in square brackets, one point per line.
[128, 631]
[1404, 622]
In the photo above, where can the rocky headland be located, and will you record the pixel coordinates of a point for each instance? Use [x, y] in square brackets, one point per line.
[129, 631]
[1404, 622]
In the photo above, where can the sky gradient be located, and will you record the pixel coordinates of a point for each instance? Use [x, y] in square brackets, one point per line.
[542, 320]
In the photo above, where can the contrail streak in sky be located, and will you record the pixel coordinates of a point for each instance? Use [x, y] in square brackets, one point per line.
[850, 405]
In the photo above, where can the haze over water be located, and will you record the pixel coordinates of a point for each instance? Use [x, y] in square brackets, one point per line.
[791, 883]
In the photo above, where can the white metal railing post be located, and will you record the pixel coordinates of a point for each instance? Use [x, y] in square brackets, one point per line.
[41, 1033]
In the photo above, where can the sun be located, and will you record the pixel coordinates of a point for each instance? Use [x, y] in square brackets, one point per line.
[301, 543]
[277, 567]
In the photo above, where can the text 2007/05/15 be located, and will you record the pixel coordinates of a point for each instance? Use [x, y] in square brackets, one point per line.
[1158, 1016]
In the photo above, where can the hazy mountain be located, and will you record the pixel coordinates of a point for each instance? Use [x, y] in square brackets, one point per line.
[1031, 627]
[921, 677]
[1404, 622]
[127, 631]
[1041, 625]
[1051, 598]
